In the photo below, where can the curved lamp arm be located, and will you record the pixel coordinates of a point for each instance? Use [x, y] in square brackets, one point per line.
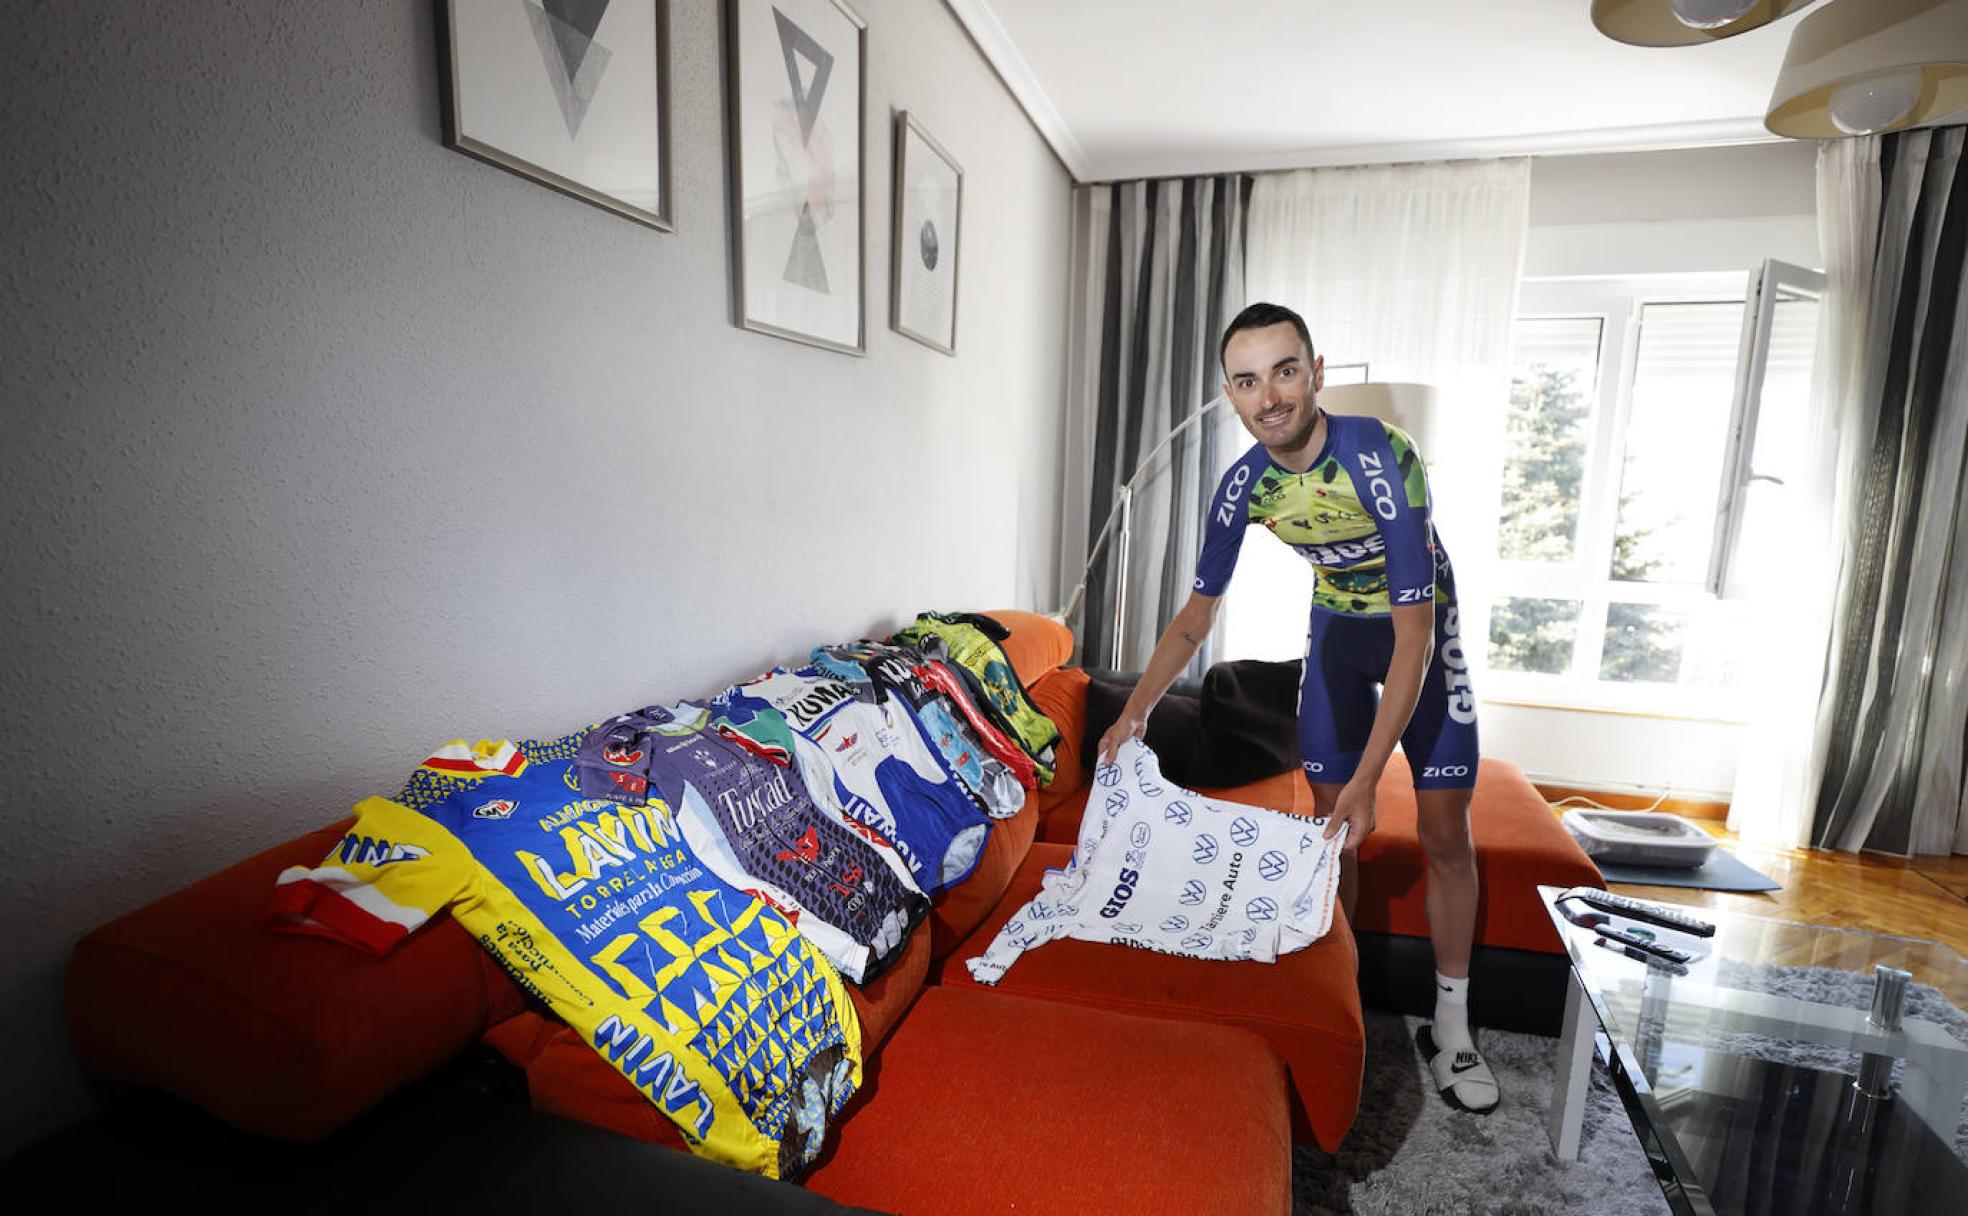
[1119, 513]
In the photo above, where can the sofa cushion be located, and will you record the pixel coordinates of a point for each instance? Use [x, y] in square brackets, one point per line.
[1236, 725]
[985, 1102]
[961, 908]
[1307, 1004]
[1061, 695]
[283, 1036]
[566, 1076]
[1519, 844]
[1037, 643]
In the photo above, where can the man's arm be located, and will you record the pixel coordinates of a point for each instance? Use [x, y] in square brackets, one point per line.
[1414, 646]
[1178, 646]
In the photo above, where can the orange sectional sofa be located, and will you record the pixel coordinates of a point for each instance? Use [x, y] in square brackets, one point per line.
[1089, 1080]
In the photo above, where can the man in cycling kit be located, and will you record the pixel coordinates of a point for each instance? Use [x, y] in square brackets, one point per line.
[1383, 659]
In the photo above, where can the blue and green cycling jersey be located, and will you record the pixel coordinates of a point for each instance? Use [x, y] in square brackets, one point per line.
[1359, 515]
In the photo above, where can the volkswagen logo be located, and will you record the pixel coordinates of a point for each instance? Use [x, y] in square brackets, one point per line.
[1273, 865]
[1263, 908]
[1205, 850]
[1243, 831]
[1192, 893]
[1175, 924]
[1177, 812]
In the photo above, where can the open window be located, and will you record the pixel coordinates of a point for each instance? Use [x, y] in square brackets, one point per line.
[1765, 461]
[1654, 430]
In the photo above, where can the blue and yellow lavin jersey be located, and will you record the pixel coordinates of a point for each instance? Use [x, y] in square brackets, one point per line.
[1359, 515]
[705, 998]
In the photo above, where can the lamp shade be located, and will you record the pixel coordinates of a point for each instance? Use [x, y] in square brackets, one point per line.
[1874, 65]
[1415, 408]
[1655, 23]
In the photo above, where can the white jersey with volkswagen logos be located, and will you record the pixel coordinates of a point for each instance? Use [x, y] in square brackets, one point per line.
[1162, 868]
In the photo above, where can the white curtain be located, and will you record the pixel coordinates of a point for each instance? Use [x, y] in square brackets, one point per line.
[1413, 270]
[1784, 749]
[1895, 706]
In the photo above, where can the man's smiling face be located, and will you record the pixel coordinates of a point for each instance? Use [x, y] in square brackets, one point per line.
[1272, 381]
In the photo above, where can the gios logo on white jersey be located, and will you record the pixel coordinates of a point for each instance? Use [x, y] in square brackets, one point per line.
[1462, 698]
[1378, 485]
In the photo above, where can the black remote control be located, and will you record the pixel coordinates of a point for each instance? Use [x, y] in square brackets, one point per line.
[1638, 909]
[1646, 945]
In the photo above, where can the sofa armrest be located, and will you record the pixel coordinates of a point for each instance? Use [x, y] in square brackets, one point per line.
[461, 1140]
[280, 1035]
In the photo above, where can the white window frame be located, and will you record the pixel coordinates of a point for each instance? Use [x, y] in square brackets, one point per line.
[1770, 283]
[1618, 303]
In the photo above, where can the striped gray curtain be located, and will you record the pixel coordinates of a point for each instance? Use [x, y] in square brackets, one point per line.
[1164, 274]
[1895, 703]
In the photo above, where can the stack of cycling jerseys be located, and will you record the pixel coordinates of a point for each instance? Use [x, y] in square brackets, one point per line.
[1163, 868]
[606, 910]
[747, 814]
[869, 761]
[991, 767]
[968, 644]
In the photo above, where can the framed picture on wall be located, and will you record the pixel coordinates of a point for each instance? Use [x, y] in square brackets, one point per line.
[797, 80]
[928, 211]
[571, 93]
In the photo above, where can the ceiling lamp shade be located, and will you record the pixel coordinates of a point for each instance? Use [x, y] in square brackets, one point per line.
[1685, 22]
[1859, 67]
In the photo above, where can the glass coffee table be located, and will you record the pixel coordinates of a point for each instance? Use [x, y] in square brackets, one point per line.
[1778, 1070]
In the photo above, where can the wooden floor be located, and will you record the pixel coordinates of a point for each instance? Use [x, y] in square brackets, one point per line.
[1925, 897]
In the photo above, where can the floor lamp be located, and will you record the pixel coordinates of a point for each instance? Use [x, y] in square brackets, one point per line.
[1122, 514]
[1415, 408]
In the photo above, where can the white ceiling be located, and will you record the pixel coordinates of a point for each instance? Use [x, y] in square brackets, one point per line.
[1151, 88]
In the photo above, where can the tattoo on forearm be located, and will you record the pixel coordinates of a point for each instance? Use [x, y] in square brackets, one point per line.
[1184, 635]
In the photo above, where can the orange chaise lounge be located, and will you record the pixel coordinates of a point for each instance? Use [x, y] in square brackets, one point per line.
[1089, 1080]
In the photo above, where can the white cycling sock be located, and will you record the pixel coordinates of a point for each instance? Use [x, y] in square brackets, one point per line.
[1452, 1013]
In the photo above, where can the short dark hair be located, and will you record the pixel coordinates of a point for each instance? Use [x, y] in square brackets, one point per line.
[1262, 316]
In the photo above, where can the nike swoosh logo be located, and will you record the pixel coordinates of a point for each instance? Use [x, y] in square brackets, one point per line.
[1465, 1067]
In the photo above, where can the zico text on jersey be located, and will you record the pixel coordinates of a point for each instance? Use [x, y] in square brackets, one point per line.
[708, 1000]
[1359, 516]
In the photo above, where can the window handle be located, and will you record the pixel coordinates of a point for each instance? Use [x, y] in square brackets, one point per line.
[1766, 477]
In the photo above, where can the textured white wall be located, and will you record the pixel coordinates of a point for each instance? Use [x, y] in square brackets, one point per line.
[324, 443]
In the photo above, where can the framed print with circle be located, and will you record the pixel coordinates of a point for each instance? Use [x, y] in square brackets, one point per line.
[797, 80]
[928, 215]
[571, 93]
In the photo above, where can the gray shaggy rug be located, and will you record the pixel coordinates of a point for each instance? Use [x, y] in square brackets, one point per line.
[1410, 1155]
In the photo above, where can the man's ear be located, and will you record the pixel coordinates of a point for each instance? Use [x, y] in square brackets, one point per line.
[1318, 373]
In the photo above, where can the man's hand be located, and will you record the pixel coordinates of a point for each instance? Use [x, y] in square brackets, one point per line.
[1127, 726]
[1355, 808]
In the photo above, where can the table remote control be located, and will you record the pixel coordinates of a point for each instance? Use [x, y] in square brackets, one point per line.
[1638, 909]
[1646, 945]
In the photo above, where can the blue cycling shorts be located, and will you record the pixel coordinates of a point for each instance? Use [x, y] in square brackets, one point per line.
[1346, 660]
